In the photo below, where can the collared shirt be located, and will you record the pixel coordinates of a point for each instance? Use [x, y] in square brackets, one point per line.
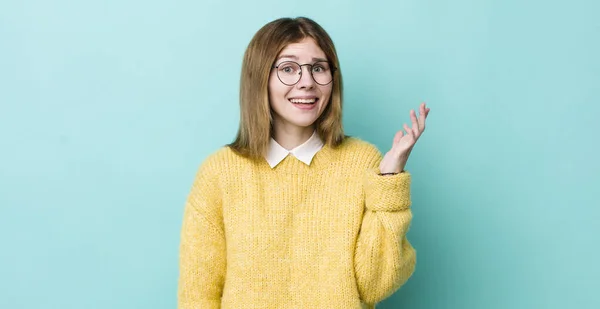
[304, 152]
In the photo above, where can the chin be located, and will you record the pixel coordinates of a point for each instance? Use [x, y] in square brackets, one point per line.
[303, 123]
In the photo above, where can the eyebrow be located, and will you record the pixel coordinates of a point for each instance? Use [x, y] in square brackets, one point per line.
[296, 58]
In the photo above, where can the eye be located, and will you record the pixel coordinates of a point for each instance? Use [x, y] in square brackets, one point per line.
[288, 68]
[319, 68]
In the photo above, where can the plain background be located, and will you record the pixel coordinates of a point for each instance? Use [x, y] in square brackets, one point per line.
[108, 107]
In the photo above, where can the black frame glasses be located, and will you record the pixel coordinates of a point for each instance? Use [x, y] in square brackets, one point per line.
[311, 66]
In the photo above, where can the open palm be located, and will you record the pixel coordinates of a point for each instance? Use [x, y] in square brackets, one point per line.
[395, 159]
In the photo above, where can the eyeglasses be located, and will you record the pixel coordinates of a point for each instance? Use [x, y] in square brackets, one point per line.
[290, 72]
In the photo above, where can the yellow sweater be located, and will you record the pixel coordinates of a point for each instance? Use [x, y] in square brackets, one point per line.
[328, 235]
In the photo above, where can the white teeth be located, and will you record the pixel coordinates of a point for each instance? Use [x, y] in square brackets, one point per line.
[303, 101]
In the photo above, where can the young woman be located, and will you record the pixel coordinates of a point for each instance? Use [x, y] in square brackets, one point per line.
[293, 214]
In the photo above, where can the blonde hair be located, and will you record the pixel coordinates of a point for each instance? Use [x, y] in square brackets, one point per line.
[255, 128]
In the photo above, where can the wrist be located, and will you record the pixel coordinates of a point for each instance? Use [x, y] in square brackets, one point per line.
[383, 173]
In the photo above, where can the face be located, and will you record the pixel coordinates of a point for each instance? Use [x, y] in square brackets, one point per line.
[299, 105]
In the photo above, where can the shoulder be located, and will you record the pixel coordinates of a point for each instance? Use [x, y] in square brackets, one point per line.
[357, 145]
[354, 150]
[223, 159]
[215, 168]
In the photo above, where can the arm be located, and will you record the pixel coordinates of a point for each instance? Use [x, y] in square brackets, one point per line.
[384, 259]
[202, 258]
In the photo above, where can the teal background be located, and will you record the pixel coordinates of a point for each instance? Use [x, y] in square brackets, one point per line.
[108, 107]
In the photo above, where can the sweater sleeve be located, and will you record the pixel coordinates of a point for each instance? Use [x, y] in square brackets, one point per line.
[384, 258]
[202, 256]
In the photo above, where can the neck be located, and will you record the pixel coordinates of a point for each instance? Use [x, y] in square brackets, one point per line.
[291, 137]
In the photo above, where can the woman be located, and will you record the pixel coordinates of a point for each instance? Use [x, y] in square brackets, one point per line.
[293, 214]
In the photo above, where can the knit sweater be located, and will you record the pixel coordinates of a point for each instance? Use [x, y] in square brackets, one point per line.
[331, 234]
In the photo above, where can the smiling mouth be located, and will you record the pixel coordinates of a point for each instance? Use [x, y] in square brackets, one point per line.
[304, 101]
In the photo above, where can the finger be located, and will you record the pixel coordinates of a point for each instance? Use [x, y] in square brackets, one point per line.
[422, 116]
[415, 122]
[397, 137]
[408, 130]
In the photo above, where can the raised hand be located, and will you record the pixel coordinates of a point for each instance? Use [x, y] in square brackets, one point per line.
[395, 159]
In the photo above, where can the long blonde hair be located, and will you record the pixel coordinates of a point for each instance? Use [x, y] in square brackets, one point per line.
[255, 113]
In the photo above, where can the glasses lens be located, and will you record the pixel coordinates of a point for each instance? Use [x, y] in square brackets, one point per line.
[289, 72]
[321, 73]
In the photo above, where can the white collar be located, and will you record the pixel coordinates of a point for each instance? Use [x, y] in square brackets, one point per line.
[304, 152]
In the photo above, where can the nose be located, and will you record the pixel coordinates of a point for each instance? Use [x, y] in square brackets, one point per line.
[306, 80]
